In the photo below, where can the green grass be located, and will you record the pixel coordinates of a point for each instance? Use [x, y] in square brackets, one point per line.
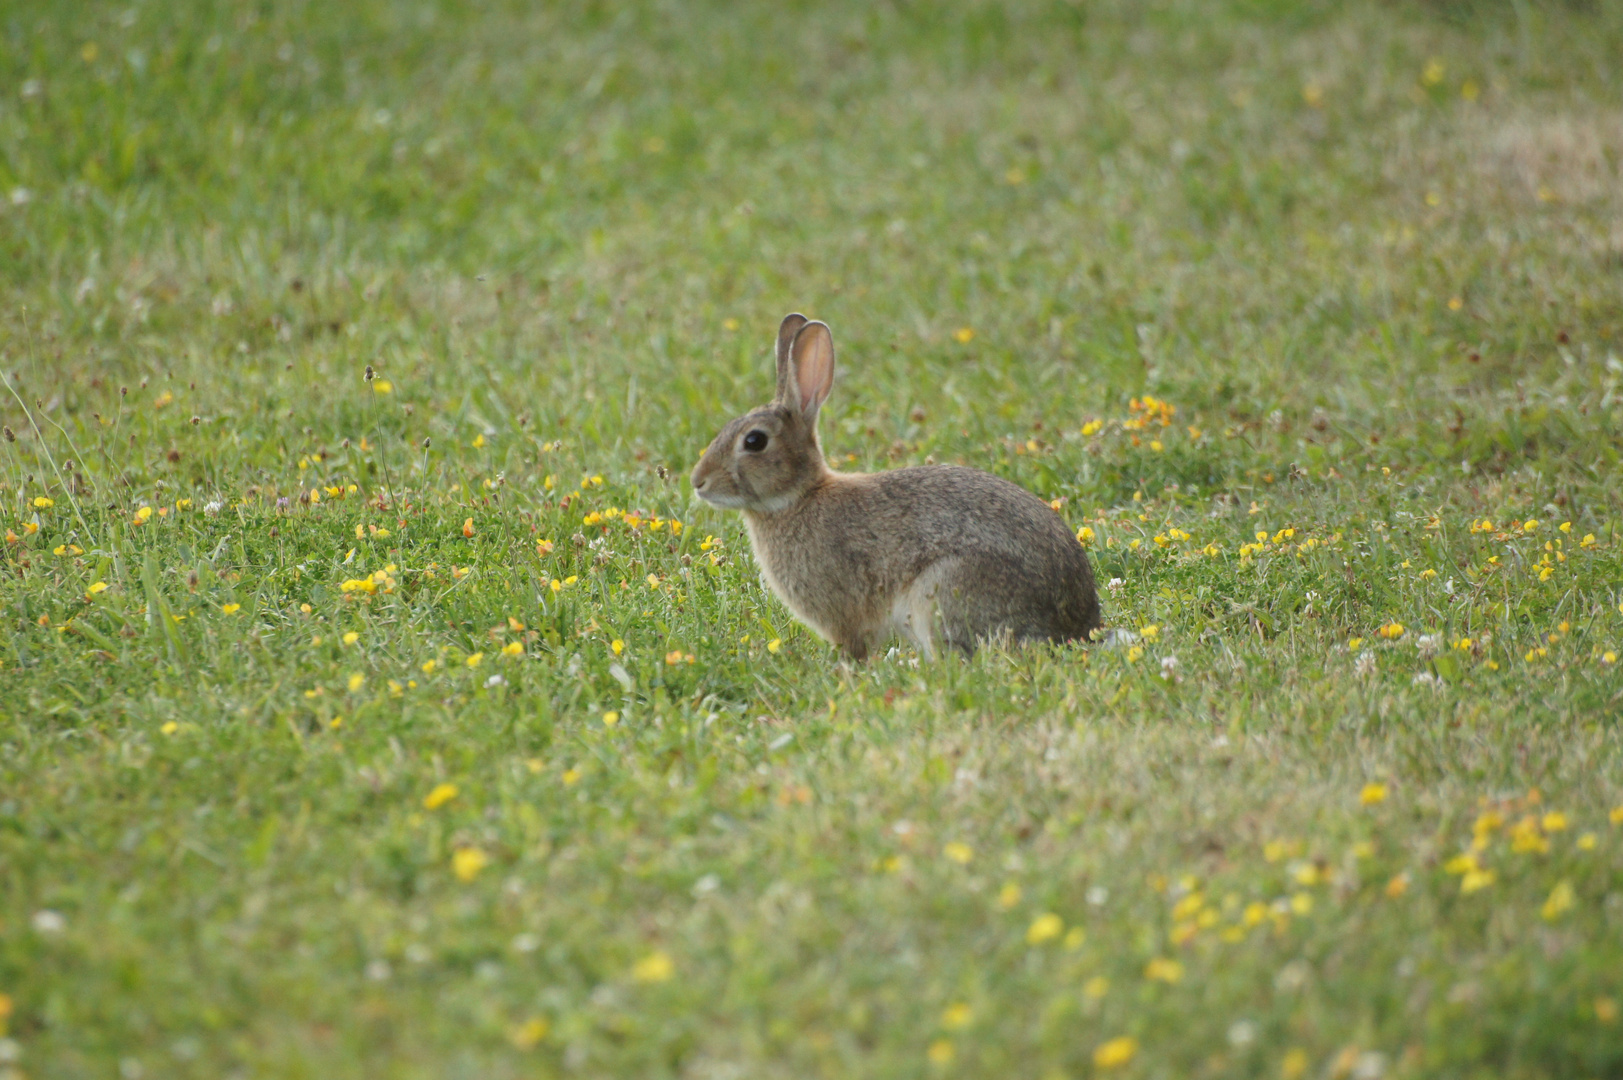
[1372, 253]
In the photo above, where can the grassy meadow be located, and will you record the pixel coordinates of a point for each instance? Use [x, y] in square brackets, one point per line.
[376, 699]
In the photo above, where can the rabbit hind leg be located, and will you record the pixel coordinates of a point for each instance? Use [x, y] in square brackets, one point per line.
[934, 613]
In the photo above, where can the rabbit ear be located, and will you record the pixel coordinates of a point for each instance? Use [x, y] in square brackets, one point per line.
[786, 336]
[811, 366]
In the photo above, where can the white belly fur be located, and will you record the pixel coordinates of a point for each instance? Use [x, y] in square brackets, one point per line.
[913, 611]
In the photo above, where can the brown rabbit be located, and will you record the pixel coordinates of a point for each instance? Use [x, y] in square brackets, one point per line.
[940, 554]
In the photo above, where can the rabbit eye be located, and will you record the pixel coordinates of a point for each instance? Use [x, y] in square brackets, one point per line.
[755, 442]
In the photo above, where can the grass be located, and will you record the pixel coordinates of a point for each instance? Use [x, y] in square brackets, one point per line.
[411, 736]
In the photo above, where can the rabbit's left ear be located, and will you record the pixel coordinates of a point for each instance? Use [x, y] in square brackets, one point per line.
[811, 369]
[787, 329]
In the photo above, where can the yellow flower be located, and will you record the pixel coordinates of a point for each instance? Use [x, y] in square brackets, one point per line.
[1605, 1010]
[1164, 970]
[957, 1017]
[1476, 879]
[1294, 1064]
[1397, 886]
[1372, 794]
[774, 646]
[467, 527]
[467, 862]
[1391, 631]
[1150, 633]
[442, 794]
[230, 609]
[1560, 902]
[1461, 864]
[96, 587]
[1525, 837]
[43, 503]
[617, 646]
[610, 719]
[958, 853]
[1092, 427]
[529, 1034]
[1353, 643]
[513, 648]
[1616, 816]
[478, 441]
[941, 1052]
[351, 638]
[475, 659]
[656, 967]
[169, 728]
[1043, 928]
[963, 335]
[1008, 896]
[429, 666]
[1135, 654]
[143, 515]
[1118, 1051]
[382, 386]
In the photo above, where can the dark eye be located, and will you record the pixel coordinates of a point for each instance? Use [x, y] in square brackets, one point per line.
[755, 442]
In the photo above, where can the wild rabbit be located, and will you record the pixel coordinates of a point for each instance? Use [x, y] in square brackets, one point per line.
[940, 554]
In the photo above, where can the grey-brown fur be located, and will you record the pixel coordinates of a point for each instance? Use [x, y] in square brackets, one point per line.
[942, 554]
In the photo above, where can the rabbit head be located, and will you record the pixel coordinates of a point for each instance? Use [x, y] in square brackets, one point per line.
[768, 459]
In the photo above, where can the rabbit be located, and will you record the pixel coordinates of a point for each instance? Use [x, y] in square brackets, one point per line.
[941, 555]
